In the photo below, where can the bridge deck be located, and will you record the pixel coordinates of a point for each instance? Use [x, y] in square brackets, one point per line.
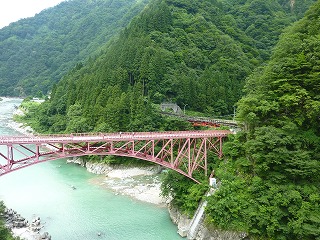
[87, 137]
[208, 120]
[182, 151]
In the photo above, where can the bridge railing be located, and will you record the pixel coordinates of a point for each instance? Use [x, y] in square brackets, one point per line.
[182, 151]
[117, 135]
[204, 119]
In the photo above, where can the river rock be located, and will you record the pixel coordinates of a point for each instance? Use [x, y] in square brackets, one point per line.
[98, 168]
[216, 234]
[45, 236]
[77, 160]
[181, 220]
[13, 219]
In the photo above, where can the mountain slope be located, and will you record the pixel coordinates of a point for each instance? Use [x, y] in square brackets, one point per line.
[270, 179]
[36, 52]
[190, 52]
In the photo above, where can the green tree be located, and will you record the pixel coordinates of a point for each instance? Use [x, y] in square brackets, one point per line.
[272, 182]
[4, 231]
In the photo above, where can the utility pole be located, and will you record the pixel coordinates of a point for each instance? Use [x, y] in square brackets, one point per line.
[184, 109]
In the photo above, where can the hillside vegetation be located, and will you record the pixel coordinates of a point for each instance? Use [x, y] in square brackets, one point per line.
[195, 53]
[36, 52]
[270, 179]
[270, 183]
[200, 53]
[5, 233]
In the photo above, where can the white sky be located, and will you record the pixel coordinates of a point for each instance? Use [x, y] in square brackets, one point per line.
[13, 10]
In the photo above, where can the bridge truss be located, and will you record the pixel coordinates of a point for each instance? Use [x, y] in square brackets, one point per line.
[184, 151]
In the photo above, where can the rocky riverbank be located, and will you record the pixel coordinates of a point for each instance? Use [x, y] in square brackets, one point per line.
[20, 227]
[141, 183]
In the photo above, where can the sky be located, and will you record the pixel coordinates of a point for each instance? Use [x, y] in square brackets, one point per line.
[13, 10]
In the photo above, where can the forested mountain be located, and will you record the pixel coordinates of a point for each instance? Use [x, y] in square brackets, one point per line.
[271, 185]
[36, 52]
[200, 53]
[191, 52]
[270, 182]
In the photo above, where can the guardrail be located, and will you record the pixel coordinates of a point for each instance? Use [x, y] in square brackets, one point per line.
[119, 135]
[203, 119]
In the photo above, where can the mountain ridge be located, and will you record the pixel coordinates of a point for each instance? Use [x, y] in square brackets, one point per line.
[36, 52]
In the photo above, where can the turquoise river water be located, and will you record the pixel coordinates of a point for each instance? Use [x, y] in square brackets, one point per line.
[44, 190]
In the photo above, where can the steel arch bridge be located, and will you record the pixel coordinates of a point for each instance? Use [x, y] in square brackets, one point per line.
[182, 151]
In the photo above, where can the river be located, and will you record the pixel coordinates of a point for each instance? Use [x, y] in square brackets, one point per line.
[44, 191]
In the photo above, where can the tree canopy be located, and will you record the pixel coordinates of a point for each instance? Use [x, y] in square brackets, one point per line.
[270, 182]
[36, 52]
[202, 53]
[195, 53]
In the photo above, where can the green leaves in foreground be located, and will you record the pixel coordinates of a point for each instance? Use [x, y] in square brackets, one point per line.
[4, 232]
[267, 210]
[186, 193]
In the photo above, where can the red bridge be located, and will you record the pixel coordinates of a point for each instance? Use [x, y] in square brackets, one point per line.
[184, 151]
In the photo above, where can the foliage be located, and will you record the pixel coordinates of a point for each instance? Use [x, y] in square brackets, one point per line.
[185, 193]
[36, 52]
[191, 53]
[271, 188]
[29, 108]
[266, 209]
[199, 53]
[4, 231]
[118, 161]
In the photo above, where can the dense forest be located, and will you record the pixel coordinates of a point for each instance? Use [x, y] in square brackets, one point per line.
[211, 56]
[270, 183]
[195, 53]
[273, 186]
[36, 52]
